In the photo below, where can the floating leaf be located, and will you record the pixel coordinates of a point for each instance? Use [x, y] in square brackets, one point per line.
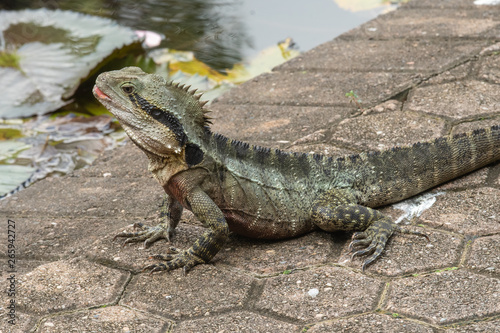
[9, 148]
[13, 175]
[71, 128]
[264, 62]
[44, 55]
[184, 68]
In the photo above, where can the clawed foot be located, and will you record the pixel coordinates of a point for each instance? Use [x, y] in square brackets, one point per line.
[372, 241]
[147, 234]
[174, 259]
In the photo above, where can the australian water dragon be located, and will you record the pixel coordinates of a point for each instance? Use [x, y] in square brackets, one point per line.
[267, 193]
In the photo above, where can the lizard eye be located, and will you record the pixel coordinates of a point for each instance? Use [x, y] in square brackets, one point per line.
[128, 89]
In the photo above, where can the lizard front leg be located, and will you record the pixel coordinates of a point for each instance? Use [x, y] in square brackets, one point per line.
[170, 214]
[205, 247]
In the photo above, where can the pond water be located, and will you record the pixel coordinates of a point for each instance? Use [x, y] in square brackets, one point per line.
[222, 33]
[218, 40]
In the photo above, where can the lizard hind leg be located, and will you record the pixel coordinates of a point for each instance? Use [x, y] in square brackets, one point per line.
[336, 212]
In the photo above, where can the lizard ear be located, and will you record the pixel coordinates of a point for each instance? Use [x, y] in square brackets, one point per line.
[194, 155]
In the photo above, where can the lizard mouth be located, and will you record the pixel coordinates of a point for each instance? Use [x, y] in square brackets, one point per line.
[99, 94]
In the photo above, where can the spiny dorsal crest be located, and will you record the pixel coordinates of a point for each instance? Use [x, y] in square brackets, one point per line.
[191, 93]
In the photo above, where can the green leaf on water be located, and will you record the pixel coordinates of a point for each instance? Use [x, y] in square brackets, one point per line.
[13, 175]
[45, 55]
[9, 60]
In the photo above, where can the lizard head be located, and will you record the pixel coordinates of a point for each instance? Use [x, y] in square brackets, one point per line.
[158, 116]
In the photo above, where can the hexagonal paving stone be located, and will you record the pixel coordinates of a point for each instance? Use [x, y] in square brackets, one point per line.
[272, 125]
[405, 254]
[384, 55]
[454, 74]
[485, 254]
[385, 130]
[319, 88]
[109, 319]
[439, 4]
[21, 321]
[470, 212]
[267, 257]
[134, 256]
[235, 322]
[425, 22]
[456, 100]
[128, 155]
[481, 327]
[489, 68]
[61, 237]
[68, 284]
[86, 197]
[320, 294]
[16, 321]
[473, 125]
[445, 297]
[370, 323]
[205, 289]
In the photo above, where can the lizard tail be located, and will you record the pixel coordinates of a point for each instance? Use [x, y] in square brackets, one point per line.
[400, 173]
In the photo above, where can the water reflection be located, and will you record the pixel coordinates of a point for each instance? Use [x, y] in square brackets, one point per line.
[212, 29]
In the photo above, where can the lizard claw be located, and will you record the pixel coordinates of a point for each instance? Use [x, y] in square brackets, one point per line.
[186, 259]
[154, 268]
[374, 239]
[147, 234]
[412, 232]
[359, 239]
[138, 225]
[166, 257]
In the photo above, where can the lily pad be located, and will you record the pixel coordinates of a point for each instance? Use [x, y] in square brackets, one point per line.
[13, 175]
[46, 54]
[9, 148]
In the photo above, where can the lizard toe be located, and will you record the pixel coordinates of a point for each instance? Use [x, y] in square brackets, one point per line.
[164, 257]
[369, 249]
[359, 235]
[138, 225]
[375, 237]
[376, 253]
[412, 232]
[152, 238]
[146, 234]
[359, 242]
[155, 268]
[185, 259]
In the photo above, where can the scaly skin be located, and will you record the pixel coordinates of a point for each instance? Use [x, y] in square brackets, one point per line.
[265, 193]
